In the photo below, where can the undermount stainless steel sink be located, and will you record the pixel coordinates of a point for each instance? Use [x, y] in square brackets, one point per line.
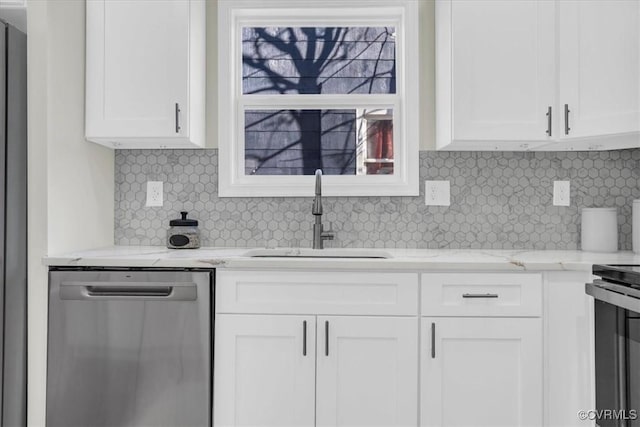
[318, 253]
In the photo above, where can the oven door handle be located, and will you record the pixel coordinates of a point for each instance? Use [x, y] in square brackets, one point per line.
[614, 294]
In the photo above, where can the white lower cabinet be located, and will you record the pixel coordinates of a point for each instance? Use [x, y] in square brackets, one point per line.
[264, 373]
[367, 371]
[476, 349]
[481, 372]
[281, 370]
[569, 349]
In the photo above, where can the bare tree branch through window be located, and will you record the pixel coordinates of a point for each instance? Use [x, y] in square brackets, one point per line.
[282, 61]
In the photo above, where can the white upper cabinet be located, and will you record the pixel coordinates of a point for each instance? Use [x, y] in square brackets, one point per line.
[496, 70]
[495, 73]
[145, 81]
[599, 72]
[506, 69]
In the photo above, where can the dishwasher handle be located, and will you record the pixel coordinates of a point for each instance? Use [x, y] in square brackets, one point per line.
[128, 291]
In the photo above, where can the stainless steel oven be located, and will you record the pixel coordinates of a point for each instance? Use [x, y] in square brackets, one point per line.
[617, 344]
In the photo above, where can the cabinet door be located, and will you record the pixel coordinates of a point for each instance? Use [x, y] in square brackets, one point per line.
[264, 370]
[367, 371]
[569, 348]
[137, 68]
[599, 48]
[481, 372]
[502, 69]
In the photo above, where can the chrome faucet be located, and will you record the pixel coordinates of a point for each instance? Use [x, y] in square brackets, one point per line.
[319, 235]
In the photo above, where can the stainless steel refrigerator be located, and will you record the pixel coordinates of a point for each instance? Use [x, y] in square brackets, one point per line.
[13, 232]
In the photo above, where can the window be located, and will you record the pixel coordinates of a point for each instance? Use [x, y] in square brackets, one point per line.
[309, 85]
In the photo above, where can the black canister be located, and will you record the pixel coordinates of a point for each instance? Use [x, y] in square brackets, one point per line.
[183, 233]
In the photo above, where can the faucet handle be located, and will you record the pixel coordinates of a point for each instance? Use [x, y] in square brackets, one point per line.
[328, 234]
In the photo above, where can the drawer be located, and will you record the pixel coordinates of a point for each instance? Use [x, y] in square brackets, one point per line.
[482, 294]
[316, 292]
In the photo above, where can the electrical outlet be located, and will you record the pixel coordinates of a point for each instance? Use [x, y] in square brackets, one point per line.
[154, 193]
[437, 193]
[561, 193]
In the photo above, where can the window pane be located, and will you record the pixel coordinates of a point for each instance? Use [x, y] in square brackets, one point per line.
[340, 142]
[318, 60]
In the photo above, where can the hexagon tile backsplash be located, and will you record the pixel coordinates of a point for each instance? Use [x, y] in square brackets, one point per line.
[499, 200]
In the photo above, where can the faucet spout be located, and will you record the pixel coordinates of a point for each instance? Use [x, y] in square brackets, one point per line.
[319, 233]
[317, 201]
[318, 182]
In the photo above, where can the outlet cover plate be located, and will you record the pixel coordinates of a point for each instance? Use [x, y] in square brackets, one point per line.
[437, 193]
[561, 193]
[154, 193]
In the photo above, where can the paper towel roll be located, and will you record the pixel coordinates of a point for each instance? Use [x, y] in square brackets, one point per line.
[635, 227]
[600, 229]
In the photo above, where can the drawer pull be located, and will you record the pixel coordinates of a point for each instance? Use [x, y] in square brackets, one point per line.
[479, 295]
[177, 118]
[326, 338]
[549, 121]
[433, 340]
[304, 338]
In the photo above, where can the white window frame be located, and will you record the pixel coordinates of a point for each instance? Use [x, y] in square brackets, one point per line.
[235, 14]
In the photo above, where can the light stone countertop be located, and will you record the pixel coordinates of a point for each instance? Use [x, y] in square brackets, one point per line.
[402, 259]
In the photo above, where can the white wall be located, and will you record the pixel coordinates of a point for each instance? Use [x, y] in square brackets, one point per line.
[71, 182]
[37, 216]
[80, 174]
[211, 112]
[427, 75]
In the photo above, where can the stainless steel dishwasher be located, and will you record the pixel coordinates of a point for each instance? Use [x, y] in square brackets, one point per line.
[129, 348]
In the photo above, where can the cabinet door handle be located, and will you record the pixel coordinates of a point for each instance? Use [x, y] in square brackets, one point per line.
[326, 338]
[566, 119]
[480, 295]
[304, 338]
[177, 118]
[549, 121]
[433, 340]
